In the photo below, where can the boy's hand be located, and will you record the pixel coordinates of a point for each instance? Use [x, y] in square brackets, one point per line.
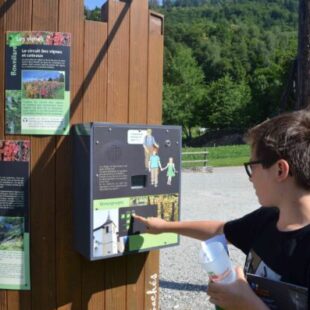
[154, 225]
[235, 296]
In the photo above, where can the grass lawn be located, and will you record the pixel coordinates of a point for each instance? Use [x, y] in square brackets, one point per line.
[59, 93]
[219, 156]
[12, 245]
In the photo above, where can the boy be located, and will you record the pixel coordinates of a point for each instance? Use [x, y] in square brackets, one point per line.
[276, 237]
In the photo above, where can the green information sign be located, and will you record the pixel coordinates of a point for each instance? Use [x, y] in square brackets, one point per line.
[37, 92]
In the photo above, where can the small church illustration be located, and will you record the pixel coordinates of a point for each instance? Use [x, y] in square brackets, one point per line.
[106, 240]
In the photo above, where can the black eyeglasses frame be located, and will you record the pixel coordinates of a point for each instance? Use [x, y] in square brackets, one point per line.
[256, 162]
[248, 164]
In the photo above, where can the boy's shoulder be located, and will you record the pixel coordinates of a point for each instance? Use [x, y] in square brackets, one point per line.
[253, 222]
[265, 213]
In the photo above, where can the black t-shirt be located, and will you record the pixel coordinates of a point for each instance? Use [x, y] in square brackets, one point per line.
[273, 254]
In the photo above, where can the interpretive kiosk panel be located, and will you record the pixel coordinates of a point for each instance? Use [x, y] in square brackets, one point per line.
[14, 218]
[37, 96]
[121, 170]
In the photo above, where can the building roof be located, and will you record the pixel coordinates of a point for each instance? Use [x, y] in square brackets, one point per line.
[106, 223]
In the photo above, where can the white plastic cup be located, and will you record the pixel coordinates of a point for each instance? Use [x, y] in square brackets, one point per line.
[216, 262]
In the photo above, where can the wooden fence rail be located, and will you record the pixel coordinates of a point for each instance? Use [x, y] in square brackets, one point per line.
[203, 158]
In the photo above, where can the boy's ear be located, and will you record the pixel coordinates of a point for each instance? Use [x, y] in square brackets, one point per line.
[283, 170]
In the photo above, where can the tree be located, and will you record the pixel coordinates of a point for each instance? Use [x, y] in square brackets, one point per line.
[244, 49]
[226, 103]
[154, 4]
[267, 87]
[167, 4]
[94, 14]
[61, 77]
[184, 91]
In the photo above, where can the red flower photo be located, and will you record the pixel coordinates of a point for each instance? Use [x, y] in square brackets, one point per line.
[14, 150]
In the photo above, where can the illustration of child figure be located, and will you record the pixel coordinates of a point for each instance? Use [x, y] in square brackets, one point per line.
[170, 170]
[154, 165]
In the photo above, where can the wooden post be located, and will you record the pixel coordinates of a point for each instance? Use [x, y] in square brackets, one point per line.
[205, 156]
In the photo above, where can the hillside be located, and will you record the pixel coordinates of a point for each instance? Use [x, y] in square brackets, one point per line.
[226, 62]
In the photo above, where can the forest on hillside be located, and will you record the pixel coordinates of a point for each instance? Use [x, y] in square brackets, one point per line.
[226, 62]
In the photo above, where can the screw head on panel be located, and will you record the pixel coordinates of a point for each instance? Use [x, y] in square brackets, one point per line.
[168, 143]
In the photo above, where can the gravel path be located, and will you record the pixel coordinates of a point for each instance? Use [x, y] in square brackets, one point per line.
[224, 194]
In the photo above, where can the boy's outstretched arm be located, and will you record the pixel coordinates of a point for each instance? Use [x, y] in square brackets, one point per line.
[201, 230]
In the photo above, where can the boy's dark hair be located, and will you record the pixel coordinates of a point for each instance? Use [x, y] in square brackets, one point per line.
[287, 137]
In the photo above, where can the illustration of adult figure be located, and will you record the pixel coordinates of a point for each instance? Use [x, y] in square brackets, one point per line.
[170, 170]
[154, 166]
[149, 144]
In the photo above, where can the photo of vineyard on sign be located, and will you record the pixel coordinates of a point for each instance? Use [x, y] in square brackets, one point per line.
[43, 84]
[37, 96]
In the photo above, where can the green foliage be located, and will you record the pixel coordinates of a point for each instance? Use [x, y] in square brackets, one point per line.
[226, 101]
[11, 232]
[225, 61]
[184, 90]
[13, 111]
[244, 48]
[94, 14]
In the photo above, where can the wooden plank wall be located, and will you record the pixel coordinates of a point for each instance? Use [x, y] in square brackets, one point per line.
[116, 76]
[17, 16]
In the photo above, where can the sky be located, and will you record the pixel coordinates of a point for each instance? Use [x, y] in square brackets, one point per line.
[101, 216]
[34, 75]
[91, 4]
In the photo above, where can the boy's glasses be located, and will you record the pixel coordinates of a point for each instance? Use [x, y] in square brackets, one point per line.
[248, 166]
